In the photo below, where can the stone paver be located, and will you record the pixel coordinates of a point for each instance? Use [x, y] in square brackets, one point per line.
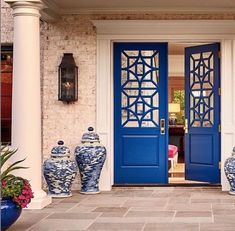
[116, 226]
[171, 226]
[141, 208]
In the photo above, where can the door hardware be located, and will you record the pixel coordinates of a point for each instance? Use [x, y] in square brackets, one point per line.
[186, 126]
[162, 126]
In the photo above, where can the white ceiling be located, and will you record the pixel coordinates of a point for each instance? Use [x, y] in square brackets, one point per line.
[131, 5]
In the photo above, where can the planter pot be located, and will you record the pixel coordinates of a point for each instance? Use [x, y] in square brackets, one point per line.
[60, 171]
[90, 157]
[229, 169]
[10, 212]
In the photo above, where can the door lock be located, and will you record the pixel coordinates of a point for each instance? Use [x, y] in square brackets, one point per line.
[186, 126]
[162, 126]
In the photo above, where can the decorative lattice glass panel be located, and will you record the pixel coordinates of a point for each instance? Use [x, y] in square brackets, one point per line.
[201, 89]
[140, 88]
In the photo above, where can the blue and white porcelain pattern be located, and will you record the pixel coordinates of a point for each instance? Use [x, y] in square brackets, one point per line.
[90, 157]
[59, 171]
[229, 168]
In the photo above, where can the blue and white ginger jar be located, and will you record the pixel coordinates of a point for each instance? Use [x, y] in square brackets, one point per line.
[229, 168]
[60, 171]
[90, 157]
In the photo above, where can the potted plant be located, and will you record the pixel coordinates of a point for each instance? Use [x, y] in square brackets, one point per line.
[16, 192]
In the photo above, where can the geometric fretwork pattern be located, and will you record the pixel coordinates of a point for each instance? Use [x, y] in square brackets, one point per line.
[201, 89]
[139, 88]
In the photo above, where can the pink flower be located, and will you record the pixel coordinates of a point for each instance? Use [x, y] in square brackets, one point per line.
[4, 183]
[25, 197]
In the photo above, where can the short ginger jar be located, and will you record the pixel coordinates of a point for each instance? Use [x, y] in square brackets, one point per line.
[60, 171]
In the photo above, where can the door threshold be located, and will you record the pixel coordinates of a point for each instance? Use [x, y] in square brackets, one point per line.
[194, 185]
[167, 185]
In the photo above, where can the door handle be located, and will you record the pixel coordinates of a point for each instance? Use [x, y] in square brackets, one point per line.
[162, 126]
[186, 126]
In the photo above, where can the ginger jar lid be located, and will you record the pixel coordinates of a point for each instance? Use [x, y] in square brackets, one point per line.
[60, 150]
[233, 152]
[90, 136]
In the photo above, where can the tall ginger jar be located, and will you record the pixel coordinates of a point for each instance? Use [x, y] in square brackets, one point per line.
[60, 171]
[229, 169]
[90, 157]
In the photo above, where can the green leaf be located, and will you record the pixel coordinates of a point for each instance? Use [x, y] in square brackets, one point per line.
[5, 156]
[5, 173]
[7, 153]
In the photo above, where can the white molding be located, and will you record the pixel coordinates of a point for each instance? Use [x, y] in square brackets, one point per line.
[168, 31]
[227, 98]
[103, 104]
[163, 28]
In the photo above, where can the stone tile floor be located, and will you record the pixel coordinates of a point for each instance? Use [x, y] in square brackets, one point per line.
[142, 208]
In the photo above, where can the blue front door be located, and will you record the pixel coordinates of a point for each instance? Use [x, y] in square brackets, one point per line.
[140, 113]
[202, 113]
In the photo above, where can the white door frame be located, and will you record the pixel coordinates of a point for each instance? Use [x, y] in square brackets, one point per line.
[108, 31]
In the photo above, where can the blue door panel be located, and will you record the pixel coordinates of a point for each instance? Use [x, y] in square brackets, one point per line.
[202, 111]
[135, 146]
[140, 96]
[199, 173]
[199, 145]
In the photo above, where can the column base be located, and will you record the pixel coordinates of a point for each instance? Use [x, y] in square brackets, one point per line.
[105, 187]
[40, 200]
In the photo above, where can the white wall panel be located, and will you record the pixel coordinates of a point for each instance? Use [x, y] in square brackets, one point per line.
[227, 104]
[103, 105]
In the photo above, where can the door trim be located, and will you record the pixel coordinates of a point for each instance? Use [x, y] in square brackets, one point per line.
[175, 31]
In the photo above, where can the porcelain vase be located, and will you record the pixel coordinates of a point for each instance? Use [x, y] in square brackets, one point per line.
[229, 169]
[60, 171]
[90, 157]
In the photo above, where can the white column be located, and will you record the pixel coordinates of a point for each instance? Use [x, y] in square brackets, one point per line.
[26, 99]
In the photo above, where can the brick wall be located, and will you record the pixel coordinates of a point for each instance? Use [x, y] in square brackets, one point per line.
[62, 120]
[6, 23]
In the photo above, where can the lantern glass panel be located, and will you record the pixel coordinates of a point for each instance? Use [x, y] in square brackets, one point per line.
[67, 83]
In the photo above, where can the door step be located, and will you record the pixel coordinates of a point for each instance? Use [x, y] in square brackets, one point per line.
[143, 186]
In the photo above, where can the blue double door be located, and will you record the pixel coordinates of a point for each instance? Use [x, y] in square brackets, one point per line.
[141, 115]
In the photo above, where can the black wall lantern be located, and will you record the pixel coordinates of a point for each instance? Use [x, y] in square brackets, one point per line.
[68, 79]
